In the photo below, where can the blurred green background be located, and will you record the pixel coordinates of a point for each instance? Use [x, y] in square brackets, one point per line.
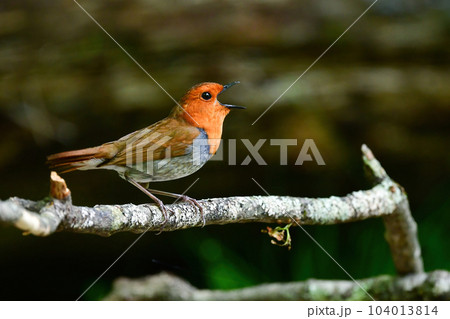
[65, 85]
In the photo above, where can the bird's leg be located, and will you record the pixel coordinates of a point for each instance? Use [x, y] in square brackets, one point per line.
[158, 202]
[183, 198]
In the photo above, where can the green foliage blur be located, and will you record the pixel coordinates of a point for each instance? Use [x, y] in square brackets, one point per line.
[64, 84]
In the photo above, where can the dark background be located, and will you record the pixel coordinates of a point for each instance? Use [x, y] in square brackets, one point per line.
[65, 85]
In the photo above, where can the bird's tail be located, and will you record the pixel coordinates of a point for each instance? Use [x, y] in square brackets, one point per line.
[88, 158]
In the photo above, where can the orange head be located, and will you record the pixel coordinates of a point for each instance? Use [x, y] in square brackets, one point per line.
[202, 109]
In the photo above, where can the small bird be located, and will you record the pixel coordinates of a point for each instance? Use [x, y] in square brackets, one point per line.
[172, 148]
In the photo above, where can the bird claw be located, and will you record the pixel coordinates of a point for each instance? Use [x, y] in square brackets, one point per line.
[164, 211]
[196, 204]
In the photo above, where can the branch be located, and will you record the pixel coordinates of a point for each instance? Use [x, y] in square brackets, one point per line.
[424, 286]
[386, 199]
[35, 217]
[401, 229]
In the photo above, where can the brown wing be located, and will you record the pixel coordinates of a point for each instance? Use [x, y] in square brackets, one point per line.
[167, 138]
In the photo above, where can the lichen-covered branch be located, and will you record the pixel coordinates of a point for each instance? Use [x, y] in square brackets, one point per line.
[401, 229]
[109, 219]
[424, 286]
[386, 199]
[47, 216]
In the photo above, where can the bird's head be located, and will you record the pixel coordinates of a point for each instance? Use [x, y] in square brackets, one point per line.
[202, 108]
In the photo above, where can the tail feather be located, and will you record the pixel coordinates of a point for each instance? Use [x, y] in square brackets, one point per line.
[79, 159]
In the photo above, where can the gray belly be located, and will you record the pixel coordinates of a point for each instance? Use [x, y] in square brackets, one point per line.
[165, 170]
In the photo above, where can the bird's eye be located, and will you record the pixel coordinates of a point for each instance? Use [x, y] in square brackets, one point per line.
[206, 95]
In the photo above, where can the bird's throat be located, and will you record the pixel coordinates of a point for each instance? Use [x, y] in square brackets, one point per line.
[214, 134]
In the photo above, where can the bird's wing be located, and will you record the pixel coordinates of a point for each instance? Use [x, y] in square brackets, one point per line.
[164, 139]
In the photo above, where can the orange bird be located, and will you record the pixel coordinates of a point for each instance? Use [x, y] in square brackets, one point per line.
[174, 147]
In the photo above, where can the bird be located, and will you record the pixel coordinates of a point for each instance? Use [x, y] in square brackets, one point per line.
[174, 147]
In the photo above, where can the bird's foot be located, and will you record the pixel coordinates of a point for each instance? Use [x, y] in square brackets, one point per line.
[196, 204]
[164, 211]
[179, 197]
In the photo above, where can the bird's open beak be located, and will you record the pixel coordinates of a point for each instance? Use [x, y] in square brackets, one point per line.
[226, 87]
